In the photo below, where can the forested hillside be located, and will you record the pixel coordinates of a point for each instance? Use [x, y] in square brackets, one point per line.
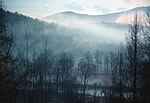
[51, 63]
[58, 37]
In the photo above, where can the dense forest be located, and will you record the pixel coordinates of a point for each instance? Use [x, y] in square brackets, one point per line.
[37, 68]
[58, 37]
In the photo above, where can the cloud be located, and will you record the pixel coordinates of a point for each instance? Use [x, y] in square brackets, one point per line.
[120, 9]
[73, 6]
[101, 9]
[127, 1]
[138, 2]
[44, 8]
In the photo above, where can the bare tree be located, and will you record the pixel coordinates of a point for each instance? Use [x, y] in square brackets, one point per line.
[66, 64]
[145, 78]
[118, 79]
[98, 56]
[87, 68]
[133, 56]
[7, 87]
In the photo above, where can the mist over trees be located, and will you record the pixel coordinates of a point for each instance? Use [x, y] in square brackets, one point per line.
[59, 36]
[38, 67]
[127, 75]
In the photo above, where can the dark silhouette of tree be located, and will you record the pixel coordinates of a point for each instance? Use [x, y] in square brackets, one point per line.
[145, 78]
[7, 84]
[133, 56]
[87, 68]
[98, 56]
[66, 64]
[118, 79]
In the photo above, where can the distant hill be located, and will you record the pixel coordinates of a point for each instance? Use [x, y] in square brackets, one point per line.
[69, 31]
[59, 38]
[69, 16]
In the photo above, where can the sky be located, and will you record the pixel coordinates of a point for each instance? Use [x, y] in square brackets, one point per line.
[43, 8]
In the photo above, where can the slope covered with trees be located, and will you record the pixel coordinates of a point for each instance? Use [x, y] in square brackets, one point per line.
[37, 67]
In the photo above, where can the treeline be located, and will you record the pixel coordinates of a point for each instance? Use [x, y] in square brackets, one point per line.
[131, 72]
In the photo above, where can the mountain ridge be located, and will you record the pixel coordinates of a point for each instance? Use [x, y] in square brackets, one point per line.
[110, 17]
[142, 7]
[60, 38]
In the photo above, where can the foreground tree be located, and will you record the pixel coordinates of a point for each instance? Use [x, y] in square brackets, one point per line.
[126, 82]
[145, 78]
[98, 56]
[118, 79]
[7, 84]
[133, 57]
[65, 67]
[87, 68]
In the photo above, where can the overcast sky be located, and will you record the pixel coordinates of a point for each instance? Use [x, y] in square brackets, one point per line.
[43, 8]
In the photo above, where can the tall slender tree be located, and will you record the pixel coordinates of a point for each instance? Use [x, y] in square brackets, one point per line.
[133, 55]
[87, 68]
[7, 86]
